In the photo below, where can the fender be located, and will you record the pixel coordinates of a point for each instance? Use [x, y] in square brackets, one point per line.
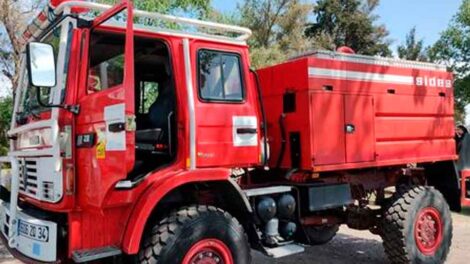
[157, 191]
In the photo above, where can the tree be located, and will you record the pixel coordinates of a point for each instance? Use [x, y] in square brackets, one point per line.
[349, 23]
[14, 17]
[278, 29]
[5, 118]
[453, 49]
[196, 8]
[413, 49]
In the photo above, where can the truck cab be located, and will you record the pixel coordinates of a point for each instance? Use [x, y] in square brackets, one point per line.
[117, 114]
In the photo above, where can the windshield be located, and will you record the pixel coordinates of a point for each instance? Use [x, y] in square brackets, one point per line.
[29, 103]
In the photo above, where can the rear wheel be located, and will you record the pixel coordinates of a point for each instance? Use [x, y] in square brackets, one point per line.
[319, 235]
[196, 235]
[417, 226]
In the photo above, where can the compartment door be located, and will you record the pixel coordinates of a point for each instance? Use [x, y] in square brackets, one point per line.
[328, 128]
[359, 119]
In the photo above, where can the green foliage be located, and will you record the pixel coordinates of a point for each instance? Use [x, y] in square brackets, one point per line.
[413, 49]
[263, 56]
[349, 23]
[453, 49]
[278, 29]
[148, 96]
[196, 8]
[6, 106]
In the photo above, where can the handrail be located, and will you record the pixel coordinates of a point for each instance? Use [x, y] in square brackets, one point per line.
[244, 33]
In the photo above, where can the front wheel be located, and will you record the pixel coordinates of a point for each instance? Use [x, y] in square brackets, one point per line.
[417, 226]
[196, 235]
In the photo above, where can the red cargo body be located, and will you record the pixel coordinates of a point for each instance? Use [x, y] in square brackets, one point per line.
[344, 111]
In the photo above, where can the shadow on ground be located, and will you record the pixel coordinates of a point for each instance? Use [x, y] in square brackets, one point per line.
[465, 211]
[341, 250]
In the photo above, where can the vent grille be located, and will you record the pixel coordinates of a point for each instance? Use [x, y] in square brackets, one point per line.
[48, 190]
[28, 175]
[6, 226]
[38, 179]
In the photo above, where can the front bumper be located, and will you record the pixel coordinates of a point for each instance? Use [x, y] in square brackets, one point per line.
[44, 250]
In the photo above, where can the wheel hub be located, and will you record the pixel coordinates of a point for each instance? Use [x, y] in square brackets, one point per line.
[209, 251]
[428, 230]
[206, 256]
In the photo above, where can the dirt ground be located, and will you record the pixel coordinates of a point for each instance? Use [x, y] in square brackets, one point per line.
[351, 246]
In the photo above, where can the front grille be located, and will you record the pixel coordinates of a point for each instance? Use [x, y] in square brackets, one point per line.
[39, 178]
[28, 175]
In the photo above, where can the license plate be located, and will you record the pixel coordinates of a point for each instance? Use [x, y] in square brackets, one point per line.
[36, 232]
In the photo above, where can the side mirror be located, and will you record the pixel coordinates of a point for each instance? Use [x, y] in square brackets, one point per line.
[41, 64]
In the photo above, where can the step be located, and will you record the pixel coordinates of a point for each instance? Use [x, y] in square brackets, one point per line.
[81, 256]
[282, 251]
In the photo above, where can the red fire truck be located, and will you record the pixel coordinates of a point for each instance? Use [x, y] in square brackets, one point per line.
[147, 138]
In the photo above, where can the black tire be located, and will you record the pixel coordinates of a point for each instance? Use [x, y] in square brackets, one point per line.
[410, 204]
[319, 235]
[172, 238]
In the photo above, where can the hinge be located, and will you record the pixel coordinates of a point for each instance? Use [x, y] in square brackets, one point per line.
[75, 109]
[83, 23]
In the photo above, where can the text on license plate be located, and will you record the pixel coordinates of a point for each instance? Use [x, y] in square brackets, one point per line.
[36, 232]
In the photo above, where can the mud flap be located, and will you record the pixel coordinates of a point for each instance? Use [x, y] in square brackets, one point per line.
[444, 177]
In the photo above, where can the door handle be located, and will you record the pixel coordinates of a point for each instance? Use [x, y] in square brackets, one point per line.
[246, 130]
[116, 127]
[350, 129]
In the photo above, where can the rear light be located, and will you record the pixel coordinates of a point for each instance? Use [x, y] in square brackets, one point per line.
[69, 179]
[161, 146]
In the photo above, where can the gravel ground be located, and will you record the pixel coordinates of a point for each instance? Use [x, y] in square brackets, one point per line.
[362, 247]
[350, 246]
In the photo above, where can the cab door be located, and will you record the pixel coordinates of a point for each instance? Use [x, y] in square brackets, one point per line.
[105, 123]
[227, 120]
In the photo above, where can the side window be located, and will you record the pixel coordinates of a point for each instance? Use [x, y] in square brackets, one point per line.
[219, 76]
[106, 68]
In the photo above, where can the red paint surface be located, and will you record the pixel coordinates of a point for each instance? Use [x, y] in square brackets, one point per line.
[359, 112]
[395, 123]
[214, 120]
[332, 151]
[208, 251]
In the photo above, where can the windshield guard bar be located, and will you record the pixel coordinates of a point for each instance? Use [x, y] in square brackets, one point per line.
[235, 33]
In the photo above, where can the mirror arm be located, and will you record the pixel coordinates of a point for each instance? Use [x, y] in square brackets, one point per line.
[74, 109]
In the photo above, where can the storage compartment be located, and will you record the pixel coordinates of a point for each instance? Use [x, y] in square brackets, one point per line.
[342, 128]
[328, 196]
[350, 112]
